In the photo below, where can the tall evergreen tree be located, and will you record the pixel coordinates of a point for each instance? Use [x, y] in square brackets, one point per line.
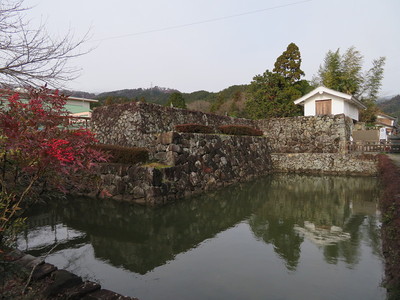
[288, 64]
[176, 100]
[272, 94]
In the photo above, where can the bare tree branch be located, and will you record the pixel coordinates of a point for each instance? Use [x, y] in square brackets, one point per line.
[31, 56]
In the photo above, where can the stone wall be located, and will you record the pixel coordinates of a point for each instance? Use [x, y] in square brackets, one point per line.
[137, 123]
[200, 162]
[46, 281]
[321, 134]
[196, 163]
[325, 163]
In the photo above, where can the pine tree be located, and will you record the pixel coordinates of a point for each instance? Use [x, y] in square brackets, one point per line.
[272, 94]
[288, 64]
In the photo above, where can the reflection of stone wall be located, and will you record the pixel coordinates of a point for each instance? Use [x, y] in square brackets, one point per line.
[325, 163]
[141, 239]
[324, 200]
[291, 201]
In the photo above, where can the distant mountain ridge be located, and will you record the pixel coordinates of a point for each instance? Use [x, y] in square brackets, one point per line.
[391, 106]
[79, 94]
[156, 94]
[228, 101]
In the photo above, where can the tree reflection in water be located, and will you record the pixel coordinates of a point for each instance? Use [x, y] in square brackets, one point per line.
[140, 239]
[328, 203]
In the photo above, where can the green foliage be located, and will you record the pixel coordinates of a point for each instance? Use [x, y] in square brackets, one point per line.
[194, 128]
[271, 95]
[161, 96]
[156, 95]
[116, 100]
[39, 153]
[288, 64]
[230, 94]
[391, 106]
[176, 100]
[199, 96]
[218, 103]
[373, 79]
[234, 110]
[369, 115]
[11, 222]
[240, 130]
[329, 74]
[304, 87]
[123, 155]
[351, 77]
[344, 74]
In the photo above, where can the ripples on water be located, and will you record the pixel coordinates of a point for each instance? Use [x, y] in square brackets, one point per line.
[280, 237]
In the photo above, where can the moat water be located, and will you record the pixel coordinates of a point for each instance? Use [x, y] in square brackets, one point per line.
[279, 237]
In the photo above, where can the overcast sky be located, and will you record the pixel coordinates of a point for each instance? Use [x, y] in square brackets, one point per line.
[210, 45]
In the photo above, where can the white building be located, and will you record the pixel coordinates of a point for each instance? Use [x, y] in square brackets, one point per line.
[79, 107]
[387, 122]
[324, 101]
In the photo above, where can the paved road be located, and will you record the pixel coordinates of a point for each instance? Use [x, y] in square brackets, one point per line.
[395, 158]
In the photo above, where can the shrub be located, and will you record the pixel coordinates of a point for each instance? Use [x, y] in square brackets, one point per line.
[239, 130]
[390, 208]
[124, 155]
[39, 153]
[194, 128]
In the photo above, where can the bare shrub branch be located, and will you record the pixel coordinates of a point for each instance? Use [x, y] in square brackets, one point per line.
[31, 56]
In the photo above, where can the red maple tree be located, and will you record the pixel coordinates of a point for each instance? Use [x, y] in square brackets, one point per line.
[39, 151]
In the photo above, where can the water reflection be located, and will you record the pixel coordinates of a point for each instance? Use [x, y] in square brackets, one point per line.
[139, 238]
[327, 210]
[337, 214]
